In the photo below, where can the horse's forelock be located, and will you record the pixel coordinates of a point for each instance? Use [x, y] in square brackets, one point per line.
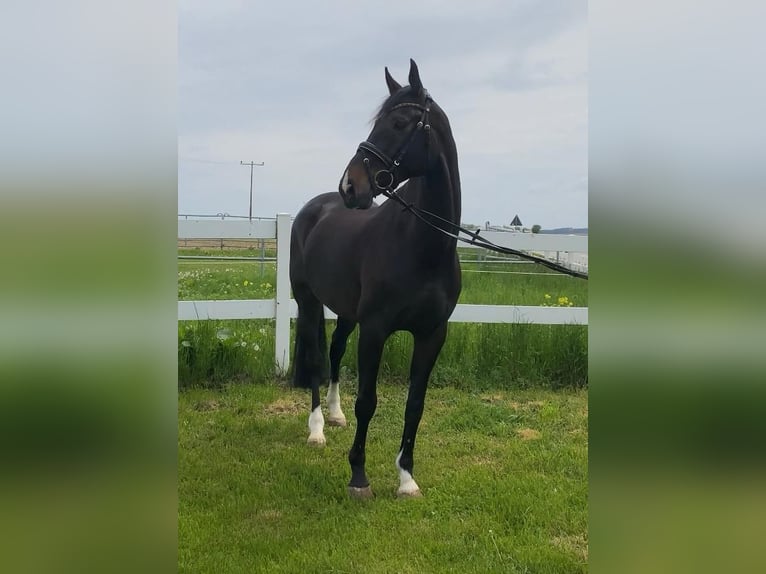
[391, 101]
[382, 109]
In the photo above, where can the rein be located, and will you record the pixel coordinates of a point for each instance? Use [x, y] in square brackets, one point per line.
[475, 239]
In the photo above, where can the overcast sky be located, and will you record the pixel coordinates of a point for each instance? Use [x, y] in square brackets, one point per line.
[294, 85]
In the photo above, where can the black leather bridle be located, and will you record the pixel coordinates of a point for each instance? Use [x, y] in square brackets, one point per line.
[384, 180]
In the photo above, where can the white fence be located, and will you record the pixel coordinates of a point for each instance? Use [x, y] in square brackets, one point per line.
[282, 308]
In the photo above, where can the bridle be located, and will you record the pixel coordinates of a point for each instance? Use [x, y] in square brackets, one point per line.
[384, 180]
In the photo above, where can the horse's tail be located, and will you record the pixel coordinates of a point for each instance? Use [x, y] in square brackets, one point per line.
[310, 357]
[301, 377]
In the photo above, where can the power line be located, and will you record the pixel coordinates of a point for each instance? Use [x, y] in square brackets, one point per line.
[198, 160]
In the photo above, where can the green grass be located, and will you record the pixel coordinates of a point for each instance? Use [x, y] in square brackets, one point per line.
[474, 356]
[501, 458]
[253, 251]
[504, 477]
[222, 280]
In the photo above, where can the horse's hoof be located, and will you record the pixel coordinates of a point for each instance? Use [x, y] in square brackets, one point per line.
[316, 441]
[336, 422]
[363, 493]
[409, 494]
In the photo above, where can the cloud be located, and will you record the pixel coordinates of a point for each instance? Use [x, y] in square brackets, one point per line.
[296, 89]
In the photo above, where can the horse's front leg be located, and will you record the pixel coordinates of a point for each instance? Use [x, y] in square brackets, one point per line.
[371, 343]
[425, 353]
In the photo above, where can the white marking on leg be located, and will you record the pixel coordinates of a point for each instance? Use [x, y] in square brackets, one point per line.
[336, 418]
[316, 427]
[407, 484]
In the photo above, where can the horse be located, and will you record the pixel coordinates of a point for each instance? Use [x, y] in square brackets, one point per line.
[380, 267]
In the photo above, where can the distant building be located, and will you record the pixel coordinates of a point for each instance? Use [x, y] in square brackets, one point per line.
[515, 226]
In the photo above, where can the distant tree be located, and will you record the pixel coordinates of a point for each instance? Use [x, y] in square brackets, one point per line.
[535, 228]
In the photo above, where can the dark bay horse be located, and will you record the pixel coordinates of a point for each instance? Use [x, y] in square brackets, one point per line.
[379, 267]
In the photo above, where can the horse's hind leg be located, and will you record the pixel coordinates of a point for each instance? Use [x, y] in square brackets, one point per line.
[343, 329]
[425, 353]
[311, 348]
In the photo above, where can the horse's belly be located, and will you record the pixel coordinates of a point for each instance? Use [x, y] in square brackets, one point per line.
[342, 307]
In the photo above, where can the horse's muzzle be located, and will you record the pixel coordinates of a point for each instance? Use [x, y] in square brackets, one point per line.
[353, 198]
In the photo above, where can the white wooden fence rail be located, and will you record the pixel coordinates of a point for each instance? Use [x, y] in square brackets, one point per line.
[282, 308]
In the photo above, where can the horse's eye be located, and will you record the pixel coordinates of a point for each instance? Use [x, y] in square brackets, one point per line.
[399, 123]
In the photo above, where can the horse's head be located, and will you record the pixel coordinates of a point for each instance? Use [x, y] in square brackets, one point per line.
[397, 147]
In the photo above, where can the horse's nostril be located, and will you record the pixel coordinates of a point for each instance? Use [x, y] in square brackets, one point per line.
[350, 190]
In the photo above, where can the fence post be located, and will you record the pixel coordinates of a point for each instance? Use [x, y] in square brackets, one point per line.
[282, 337]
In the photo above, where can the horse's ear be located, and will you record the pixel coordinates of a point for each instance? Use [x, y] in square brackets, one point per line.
[414, 78]
[393, 85]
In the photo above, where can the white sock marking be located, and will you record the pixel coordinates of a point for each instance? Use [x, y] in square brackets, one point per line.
[407, 484]
[316, 426]
[333, 403]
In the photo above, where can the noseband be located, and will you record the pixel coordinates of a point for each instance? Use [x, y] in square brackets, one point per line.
[383, 180]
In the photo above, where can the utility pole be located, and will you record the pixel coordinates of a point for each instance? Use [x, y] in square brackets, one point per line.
[252, 164]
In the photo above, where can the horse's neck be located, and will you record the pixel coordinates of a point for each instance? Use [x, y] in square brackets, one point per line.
[439, 193]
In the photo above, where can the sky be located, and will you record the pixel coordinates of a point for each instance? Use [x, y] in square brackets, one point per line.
[295, 86]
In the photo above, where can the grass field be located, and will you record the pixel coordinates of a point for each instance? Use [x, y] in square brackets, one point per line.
[501, 455]
[504, 477]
